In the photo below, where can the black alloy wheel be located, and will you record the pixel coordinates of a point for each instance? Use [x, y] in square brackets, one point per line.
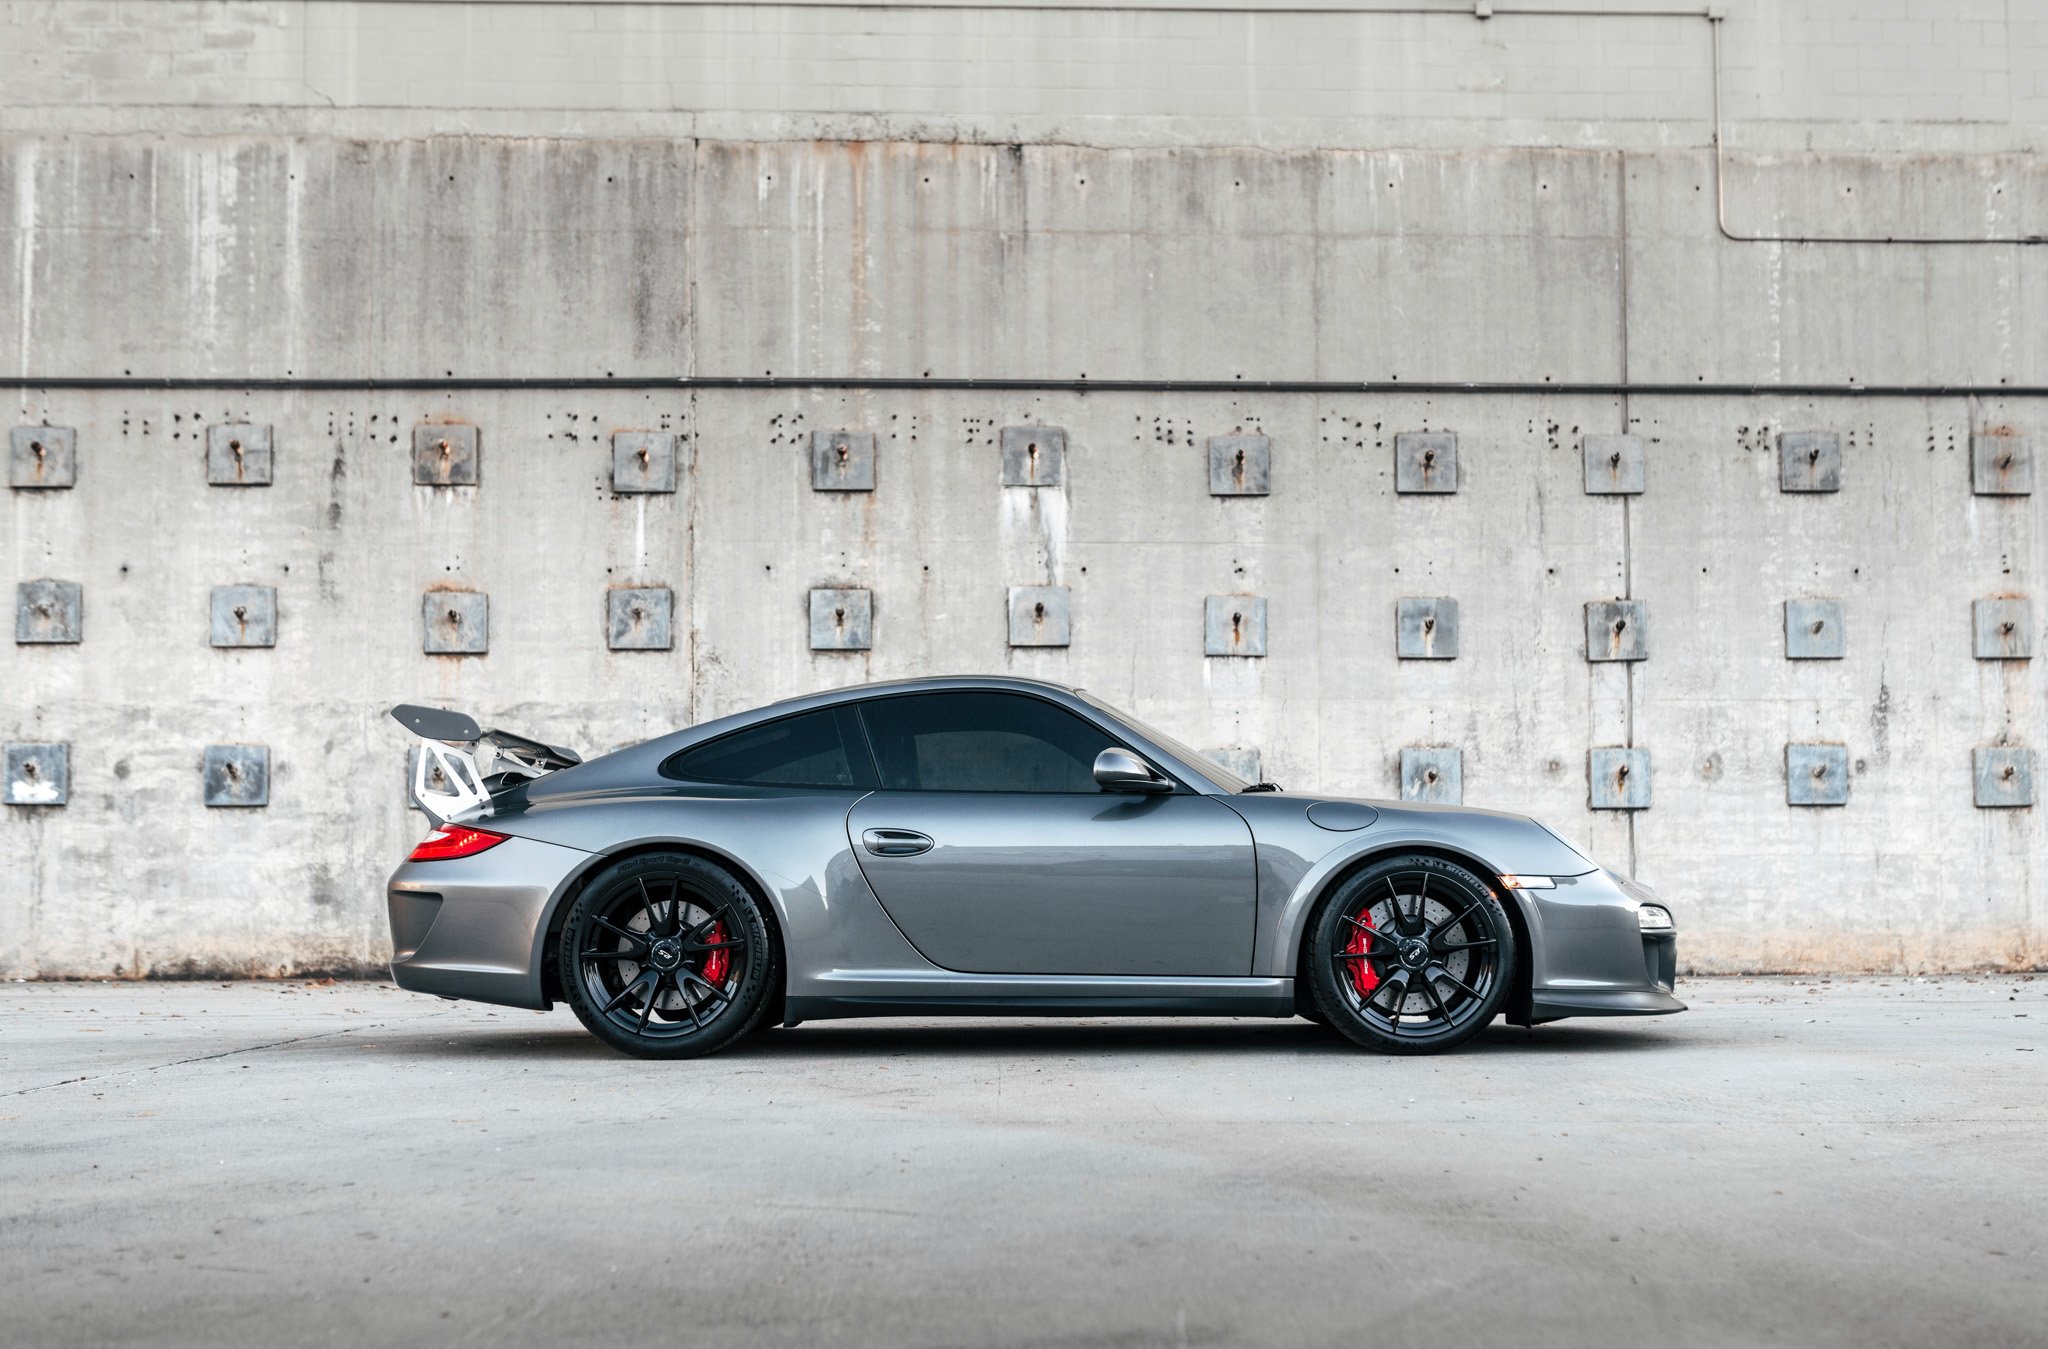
[666, 955]
[1412, 955]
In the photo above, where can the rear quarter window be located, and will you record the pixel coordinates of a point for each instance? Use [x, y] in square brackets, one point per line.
[811, 749]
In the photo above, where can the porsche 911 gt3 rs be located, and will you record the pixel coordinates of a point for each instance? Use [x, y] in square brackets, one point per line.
[985, 846]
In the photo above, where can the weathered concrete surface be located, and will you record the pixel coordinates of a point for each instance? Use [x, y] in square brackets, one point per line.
[1851, 1163]
[1933, 74]
[137, 875]
[476, 192]
[241, 255]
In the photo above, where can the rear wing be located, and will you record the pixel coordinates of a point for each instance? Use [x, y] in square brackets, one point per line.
[461, 765]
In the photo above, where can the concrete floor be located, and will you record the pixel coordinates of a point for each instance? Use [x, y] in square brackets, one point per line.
[1855, 1162]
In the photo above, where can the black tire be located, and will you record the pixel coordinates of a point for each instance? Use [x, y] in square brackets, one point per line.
[667, 956]
[1430, 929]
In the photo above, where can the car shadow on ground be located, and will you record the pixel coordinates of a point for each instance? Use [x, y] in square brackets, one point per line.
[1005, 1039]
[1194, 1037]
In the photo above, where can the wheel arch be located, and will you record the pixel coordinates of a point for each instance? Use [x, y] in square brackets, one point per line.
[1516, 1008]
[771, 917]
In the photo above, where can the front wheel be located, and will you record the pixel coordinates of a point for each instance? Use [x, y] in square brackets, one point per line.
[667, 956]
[1412, 955]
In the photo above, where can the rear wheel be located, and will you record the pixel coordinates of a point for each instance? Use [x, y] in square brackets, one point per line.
[1413, 955]
[667, 956]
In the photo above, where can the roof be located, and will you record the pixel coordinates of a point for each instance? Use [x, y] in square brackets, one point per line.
[962, 681]
[637, 763]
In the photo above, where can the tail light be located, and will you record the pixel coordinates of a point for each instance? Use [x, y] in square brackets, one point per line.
[454, 840]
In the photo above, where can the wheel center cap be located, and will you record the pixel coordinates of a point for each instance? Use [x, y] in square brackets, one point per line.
[1414, 953]
[666, 955]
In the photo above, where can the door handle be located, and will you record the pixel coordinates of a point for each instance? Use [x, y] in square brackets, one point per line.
[895, 842]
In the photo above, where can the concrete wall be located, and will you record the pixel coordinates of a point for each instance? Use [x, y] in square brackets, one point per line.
[471, 234]
[1815, 73]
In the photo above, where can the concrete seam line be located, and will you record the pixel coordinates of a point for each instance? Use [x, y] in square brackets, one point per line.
[1452, 11]
[197, 1058]
[886, 383]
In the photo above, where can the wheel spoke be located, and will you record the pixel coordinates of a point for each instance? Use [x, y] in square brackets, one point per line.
[1450, 923]
[1359, 955]
[653, 996]
[695, 947]
[618, 931]
[614, 955]
[1397, 981]
[710, 987]
[1435, 999]
[620, 998]
[1404, 986]
[1422, 906]
[1456, 982]
[1366, 928]
[694, 933]
[661, 918]
[1399, 1005]
[1466, 945]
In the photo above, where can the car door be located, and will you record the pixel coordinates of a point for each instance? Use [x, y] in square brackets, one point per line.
[994, 851]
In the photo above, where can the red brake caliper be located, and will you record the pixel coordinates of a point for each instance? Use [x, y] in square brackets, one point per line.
[716, 963]
[1364, 977]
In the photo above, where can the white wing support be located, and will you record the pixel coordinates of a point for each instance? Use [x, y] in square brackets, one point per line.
[459, 763]
[459, 793]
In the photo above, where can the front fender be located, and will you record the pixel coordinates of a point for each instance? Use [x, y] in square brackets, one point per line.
[1298, 860]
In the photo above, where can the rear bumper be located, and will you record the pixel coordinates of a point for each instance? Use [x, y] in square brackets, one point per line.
[476, 927]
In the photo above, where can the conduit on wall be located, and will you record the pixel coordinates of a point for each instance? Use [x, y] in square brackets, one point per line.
[1516, 388]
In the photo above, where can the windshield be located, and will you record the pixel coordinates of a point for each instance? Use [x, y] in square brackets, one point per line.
[1215, 772]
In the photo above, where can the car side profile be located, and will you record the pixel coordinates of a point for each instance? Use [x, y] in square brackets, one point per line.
[985, 846]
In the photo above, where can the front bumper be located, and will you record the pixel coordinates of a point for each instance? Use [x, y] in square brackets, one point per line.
[1601, 1002]
[476, 927]
[1594, 959]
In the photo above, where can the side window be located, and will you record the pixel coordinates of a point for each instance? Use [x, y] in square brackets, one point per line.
[982, 742]
[813, 749]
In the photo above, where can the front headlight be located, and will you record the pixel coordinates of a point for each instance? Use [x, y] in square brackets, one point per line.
[1654, 918]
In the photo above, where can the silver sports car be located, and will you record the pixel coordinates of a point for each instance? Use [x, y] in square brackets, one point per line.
[985, 846]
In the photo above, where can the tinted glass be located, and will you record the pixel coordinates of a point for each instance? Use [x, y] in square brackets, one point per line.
[982, 742]
[801, 751]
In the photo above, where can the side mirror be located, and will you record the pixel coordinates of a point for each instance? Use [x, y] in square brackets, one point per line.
[1119, 770]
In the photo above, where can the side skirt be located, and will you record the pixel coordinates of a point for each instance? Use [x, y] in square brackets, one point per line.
[1009, 995]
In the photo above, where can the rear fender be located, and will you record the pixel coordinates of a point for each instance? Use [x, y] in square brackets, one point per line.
[791, 847]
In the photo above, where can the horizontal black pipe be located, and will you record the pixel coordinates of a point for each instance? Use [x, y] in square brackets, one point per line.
[881, 383]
